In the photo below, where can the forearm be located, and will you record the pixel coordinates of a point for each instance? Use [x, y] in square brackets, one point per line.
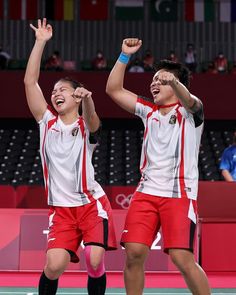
[115, 80]
[190, 102]
[89, 114]
[227, 176]
[34, 63]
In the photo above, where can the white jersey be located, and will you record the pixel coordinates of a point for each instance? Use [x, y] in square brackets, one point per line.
[169, 159]
[66, 153]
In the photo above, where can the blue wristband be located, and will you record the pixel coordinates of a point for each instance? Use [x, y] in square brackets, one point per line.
[124, 58]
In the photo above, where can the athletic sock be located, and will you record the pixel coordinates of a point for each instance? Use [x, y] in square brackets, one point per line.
[46, 286]
[97, 286]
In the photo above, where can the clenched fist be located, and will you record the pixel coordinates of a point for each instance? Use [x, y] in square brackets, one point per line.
[131, 45]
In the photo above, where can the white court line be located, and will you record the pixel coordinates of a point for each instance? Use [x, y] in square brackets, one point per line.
[107, 293]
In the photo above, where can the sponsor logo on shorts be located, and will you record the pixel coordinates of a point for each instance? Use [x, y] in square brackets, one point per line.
[52, 239]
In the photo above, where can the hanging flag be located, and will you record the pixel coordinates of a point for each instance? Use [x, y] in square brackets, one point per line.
[93, 9]
[59, 9]
[1, 9]
[164, 10]
[129, 9]
[228, 11]
[199, 10]
[23, 9]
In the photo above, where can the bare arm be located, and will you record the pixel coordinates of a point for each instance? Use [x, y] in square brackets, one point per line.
[114, 88]
[227, 176]
[34, 95]
[189, 101]
[89, 114]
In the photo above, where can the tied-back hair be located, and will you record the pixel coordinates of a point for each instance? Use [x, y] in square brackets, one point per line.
[178, 69]
[74, 84]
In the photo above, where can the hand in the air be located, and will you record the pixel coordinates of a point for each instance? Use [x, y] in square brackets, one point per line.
[131, 45]
[44, 31]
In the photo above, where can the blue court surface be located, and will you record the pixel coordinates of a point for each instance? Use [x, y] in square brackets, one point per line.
[110, 291]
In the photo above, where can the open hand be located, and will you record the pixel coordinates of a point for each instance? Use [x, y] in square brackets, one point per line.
[44, 30]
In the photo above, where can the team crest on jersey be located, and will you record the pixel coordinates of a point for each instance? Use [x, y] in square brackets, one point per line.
[75, 131]
[172, 120]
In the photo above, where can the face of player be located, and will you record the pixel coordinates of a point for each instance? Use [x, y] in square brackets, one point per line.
[162, 94]
[62, 98]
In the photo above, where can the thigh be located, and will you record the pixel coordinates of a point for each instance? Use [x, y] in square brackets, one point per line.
[178, 222]
[97, 224]
[142, 221]
[63, 231]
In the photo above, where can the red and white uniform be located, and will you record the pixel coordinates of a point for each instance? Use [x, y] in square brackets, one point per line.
[169, 159]
[167, 192]
[66, 153]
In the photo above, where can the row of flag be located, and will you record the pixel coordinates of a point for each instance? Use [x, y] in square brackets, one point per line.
[160, 10]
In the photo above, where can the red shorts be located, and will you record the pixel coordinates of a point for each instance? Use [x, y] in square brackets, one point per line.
[92, 223]
[148, 213]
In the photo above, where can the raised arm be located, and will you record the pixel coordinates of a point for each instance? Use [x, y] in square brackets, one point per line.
[89, 114]
[114, 88]
[189, 101]
[35, 99]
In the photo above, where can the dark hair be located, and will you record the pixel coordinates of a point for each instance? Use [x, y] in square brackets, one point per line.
[74, 84]
[178, 69]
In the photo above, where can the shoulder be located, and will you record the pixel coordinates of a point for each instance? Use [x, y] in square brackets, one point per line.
[145, 101]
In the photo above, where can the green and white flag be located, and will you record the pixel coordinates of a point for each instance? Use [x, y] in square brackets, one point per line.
[129, 9]
[163, 10]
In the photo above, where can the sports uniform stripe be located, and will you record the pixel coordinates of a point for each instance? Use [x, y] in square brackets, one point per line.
[181, 170]
[84, 157]
[45, 168]
[191, 234]
[145, 142]
[105, 232]
[146, 102]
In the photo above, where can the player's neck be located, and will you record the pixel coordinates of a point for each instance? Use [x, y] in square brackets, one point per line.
[165, 109]
[69, 119]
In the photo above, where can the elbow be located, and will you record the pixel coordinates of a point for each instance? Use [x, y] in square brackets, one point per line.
[108, 89]
[28, 81]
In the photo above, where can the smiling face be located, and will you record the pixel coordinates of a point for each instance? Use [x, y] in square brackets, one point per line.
[62, 98]
[162, 94]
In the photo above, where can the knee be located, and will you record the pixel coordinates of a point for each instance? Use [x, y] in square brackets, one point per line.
[95, 264]
[134, 256]
[185, 263]
[53, 270]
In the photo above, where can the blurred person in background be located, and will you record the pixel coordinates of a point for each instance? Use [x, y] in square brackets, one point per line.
[54, 62]
[99, 62]
[172, 56]
[78, 207]
[148, 61]
[228, 161]
[221, 63]
[190, 58]
[136, 66]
